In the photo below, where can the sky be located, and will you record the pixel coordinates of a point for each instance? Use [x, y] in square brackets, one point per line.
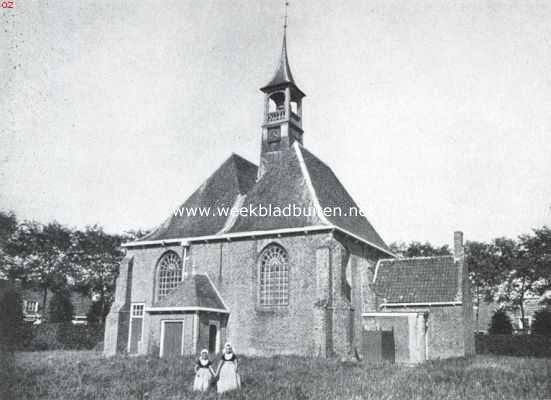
[435, 115]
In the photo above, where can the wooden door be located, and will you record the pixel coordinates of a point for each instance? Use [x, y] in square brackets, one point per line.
[135, 334]
[172, 338]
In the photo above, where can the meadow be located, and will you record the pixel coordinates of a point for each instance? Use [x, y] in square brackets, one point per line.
[87, 375]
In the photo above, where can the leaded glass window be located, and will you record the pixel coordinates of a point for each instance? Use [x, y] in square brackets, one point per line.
[274, 276]
[169, 275]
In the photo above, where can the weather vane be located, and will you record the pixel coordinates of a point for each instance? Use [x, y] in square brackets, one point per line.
[285, 19]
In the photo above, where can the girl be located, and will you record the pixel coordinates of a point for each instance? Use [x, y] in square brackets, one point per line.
[203, 372]
[228, 378]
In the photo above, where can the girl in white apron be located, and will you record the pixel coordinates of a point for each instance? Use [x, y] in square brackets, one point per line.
[228, 377]
[203, 372]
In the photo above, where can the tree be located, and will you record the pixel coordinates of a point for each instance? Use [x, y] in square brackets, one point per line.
[97, 256]
[11, 317]
[485, 271]
[418, 249]
[61, 307]
[500, 323]
[520, 276]
[41, 254]
[542, 322]
[8, 268]
[537, 249]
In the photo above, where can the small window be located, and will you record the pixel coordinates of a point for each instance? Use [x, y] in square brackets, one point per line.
[274, 277]
[137, 310]
[31, 307]
[169, 274]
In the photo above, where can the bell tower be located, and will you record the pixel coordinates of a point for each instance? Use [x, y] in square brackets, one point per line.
[282, 112]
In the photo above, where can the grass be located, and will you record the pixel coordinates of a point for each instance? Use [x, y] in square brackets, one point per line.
[87, 375]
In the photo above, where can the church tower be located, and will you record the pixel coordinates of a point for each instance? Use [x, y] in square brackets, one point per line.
[282, 113]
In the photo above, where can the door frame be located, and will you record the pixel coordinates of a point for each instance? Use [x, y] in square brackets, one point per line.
[217, 344]
[162, 341]
[132, 316]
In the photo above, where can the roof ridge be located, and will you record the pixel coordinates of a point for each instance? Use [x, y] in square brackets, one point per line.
[304, 169]
[414, 258]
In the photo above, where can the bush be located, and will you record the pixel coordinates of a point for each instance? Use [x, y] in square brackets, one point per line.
[514, 345]
[500, 324]
[11, 318]
[65, 336]
[542, 322]
[61, 308]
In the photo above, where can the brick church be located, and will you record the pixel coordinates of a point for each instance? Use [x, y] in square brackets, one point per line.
[316, 284]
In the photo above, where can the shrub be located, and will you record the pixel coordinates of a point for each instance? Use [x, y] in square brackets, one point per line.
[61, 308]
[11, 318]
[500, 323]
[514, 345]
[65, 336]
[542, 322]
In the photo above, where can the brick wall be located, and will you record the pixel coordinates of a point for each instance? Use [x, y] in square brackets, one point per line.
[319, 319]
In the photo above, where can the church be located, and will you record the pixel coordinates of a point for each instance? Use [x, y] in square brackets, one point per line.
[321, 282]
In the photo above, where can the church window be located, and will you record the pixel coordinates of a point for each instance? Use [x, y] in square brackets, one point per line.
[274, 276]
[169, 275]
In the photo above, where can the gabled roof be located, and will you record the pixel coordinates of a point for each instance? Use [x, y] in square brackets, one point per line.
[194, 292]
[298, 178]
[232, 179]
[331, 193]
[418, 280]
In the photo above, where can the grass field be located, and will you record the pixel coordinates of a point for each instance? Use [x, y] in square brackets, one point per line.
[86, 375]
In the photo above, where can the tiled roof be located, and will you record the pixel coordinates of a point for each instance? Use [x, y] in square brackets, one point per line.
[418, 280]
[194, 291]
[331, 193]
[233, 178]
[282, 184]
[298, 178]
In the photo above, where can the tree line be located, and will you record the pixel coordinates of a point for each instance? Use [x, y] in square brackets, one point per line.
[54, 258]
[503, 270]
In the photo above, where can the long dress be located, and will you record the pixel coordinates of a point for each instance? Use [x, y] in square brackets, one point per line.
[228, 377]
[203, 375]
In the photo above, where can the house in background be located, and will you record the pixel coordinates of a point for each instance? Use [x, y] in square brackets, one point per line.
[486, 310]
[425, 302]
[32, 300]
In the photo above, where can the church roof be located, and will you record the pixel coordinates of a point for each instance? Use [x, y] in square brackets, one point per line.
[418, 280]
[194, 292]
[299, 179]
[232, 179]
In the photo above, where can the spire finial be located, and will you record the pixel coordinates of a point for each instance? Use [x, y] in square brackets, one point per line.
[285, 19]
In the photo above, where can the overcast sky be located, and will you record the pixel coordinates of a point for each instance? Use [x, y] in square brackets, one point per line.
[435, 115]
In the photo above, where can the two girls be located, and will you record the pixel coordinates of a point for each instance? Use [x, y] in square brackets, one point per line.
[227, 373]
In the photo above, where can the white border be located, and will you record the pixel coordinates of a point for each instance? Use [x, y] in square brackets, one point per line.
[309, 184]
[435, 303]
[393, 314]
[227, 236]
[217, 292]
[183, 309]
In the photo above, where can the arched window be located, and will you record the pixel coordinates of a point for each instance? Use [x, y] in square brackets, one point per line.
[274, 276]
[169, 273]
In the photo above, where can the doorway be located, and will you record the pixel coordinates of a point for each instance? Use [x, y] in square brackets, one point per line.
[213, 339]
[172, 338]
